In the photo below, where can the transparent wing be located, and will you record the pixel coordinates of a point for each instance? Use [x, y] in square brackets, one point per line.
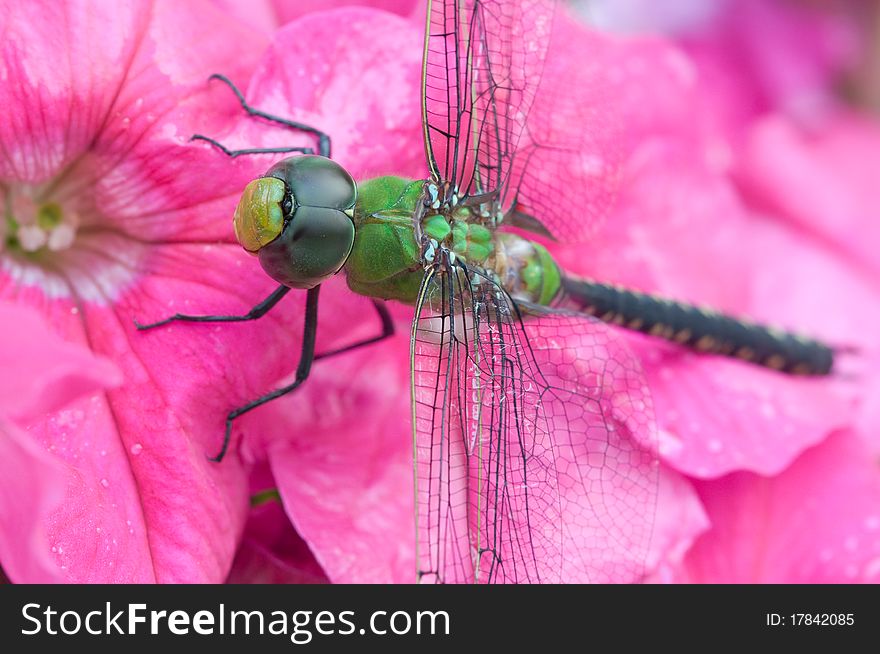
[534, 460]
[482, 66]
[567, 167]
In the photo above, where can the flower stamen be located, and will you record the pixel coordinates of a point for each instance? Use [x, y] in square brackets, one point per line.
[30, 226]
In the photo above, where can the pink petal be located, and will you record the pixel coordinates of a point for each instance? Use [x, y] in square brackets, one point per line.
[820, 180]
[57, 112]
[345, 470]
[33, 486]
[362, 90]
[673, 233]
[598, 100]
[817, 522]
[289, 10]
[271, 551]
[792, 51]
[260, 14]
[680, 519]
[717, 415]
[44, 372]
[53, 110]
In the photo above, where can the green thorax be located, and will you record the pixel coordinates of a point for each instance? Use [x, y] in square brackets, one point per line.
[384, 261]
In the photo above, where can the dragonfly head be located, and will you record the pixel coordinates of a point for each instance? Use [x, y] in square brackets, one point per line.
[298, 220]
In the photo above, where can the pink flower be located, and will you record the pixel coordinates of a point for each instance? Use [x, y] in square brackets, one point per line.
[269, 16]
[816, 522]
[271, 550]
[96, 145]
[50, 374]
[146, 214]
[96, 148]
[757, 201]
[753, 55]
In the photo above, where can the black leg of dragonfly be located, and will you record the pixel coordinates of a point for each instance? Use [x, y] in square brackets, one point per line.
[323, 138]
[306, 358]
[258, 311]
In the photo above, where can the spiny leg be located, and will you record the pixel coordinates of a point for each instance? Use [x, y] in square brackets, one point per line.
[258, 311]
[323, 137]
[307, 356]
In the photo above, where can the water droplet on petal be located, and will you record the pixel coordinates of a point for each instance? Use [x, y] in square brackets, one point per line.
[137, 448]
[105, 483]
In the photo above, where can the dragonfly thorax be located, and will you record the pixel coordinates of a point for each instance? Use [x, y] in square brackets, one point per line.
[403, 228]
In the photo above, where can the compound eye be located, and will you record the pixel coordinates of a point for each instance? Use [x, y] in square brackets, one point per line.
[259, 216]
[313, 247]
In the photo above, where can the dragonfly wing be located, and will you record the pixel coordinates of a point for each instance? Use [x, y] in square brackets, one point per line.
[534, 460]
[568, 164]
[482, 66]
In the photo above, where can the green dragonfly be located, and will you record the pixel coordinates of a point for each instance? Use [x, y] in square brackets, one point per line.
[533, 431]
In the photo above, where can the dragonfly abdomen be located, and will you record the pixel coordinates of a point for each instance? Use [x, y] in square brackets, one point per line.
[700, 329]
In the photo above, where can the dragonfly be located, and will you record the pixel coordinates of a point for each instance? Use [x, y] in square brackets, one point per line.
[534, 441]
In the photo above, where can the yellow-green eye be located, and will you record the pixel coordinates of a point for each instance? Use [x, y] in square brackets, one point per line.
[259, 217]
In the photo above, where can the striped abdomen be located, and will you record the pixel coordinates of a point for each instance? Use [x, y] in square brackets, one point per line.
[700, 329]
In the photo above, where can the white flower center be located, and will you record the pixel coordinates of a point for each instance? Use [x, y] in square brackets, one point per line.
[31, 225]
[60, 244]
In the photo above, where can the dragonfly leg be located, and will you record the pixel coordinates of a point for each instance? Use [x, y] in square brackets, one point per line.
[236, 153]
[258, 311]
[306, 357]
[387, 330]
[323, 137]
